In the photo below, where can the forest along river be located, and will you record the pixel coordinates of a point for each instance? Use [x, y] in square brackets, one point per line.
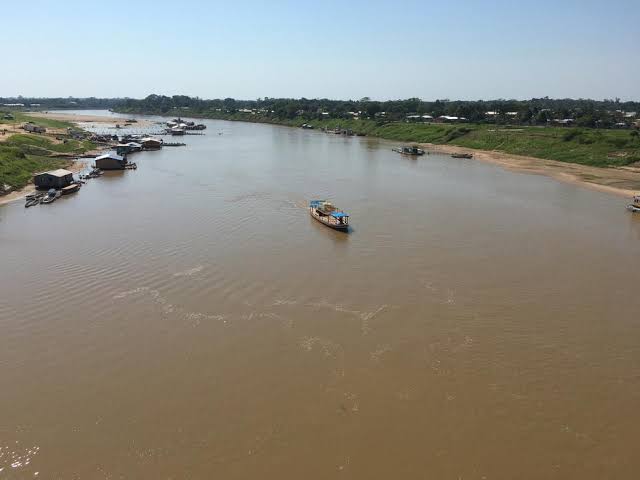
[191, 320]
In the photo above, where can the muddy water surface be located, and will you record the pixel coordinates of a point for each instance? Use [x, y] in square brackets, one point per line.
[190, 320]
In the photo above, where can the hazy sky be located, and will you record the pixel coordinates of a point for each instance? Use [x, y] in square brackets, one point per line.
[457, 49]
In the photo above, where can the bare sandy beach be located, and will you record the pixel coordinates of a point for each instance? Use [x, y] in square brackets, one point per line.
[80, 118]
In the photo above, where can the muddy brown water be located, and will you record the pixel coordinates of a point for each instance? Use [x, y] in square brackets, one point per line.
[190, 320]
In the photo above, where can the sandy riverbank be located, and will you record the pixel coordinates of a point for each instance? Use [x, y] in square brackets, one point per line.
[76, 167]
[80, 118]
[624, 182]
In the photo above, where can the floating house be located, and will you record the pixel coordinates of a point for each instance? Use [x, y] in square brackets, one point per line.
[53, 179]
[32, 127]
[111, 161]
[124, 148]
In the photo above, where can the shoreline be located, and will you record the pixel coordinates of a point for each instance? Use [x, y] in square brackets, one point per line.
[78, 161]
[570, 173]
[77, 166]
[619, 181]
[626, 178]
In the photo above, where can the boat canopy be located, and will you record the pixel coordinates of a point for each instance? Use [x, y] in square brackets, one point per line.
[338, 214]
[316, 203]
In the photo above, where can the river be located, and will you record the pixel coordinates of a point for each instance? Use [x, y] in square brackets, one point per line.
[189, 319]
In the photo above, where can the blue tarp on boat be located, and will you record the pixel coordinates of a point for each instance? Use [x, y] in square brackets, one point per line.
[338, 214]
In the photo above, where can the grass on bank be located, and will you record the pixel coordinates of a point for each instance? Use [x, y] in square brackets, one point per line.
[585, 146]
[22, 117]
[39, 145]
[17, 167]
[23, 154]
[599, 148]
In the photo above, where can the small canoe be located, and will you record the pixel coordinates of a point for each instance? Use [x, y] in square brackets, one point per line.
[324, 212]
[461, 155]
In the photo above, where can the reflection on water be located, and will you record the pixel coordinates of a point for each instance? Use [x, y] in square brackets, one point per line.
[190, 319]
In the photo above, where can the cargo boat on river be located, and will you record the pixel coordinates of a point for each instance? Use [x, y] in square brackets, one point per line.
[329, 215]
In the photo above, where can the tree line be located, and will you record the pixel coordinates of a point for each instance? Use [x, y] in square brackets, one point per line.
[536, 111]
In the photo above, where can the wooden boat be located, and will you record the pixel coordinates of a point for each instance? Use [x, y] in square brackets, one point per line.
[635, 205]
[329, 215]
[409, 150]
[32, 202]
[462, 155]
[74, 187]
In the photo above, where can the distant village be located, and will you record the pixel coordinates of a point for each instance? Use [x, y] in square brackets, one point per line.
[623, 119]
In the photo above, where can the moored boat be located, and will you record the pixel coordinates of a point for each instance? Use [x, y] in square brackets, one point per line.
[31, 202]
[51, 196]
[329, 215]
[462, 155]
[74, 187]
[635, 205]
[412, 150]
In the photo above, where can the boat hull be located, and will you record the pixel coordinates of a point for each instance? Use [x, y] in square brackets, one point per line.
[412, 154]
[632, 208]
[326, 222]
[70, 189]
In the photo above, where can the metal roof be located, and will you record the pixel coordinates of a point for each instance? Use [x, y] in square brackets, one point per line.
[110, 155]
[61, 172]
